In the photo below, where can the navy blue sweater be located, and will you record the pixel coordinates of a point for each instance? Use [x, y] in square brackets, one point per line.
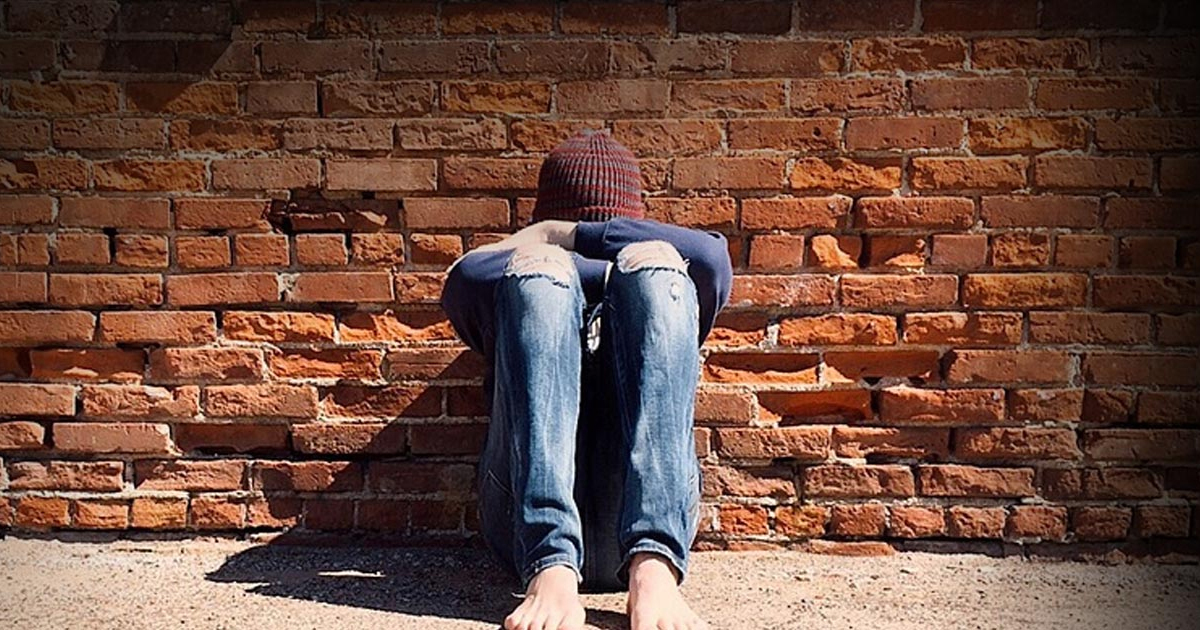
[468, 297]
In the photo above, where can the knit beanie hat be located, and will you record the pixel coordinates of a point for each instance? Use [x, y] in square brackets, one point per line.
[589, 177]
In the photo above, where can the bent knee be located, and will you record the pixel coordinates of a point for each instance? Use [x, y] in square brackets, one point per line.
[655, 253]
[541, 258]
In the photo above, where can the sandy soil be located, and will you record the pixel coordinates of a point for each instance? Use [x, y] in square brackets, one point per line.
[205, 583]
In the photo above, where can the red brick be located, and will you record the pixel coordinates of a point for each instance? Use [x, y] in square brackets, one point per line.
[23, 286]
[114, 212]
[490, 97]
[1096, 523]
[1089, 328]
[364, 18]
[667, 137]
[316, 57]
[613, 97]
[737, 95]
[1038, 522]
[381, 174]
[975, 522]
[1157, 56]
[739, 519]
[42, 513]
[337, 135]
[886, 291]
[853, 94]
[382, 249]
[63, 97]
[910, 54]
[335, 363]
[450, 439]
[20, 436]
[845, 481]
[857, 329]
[236, 437]
[559, 59]
[916, 521]
[24, 134]
[1145, 134]
[281, 97]
[1144, 292]
[424, 58]
[806, 521]
[1006, 135]
[713, 213]
[998, 93]
[890, 134]
[1040, 211]
[334, 286]
[964, 329]
[349, 438]
[729, 173]
[26, 209]
[776, 252]
[257, 250]
[321, 249]
[137, 401]
[267, 399]
[904, 212]
[198, 252]
[953, 173]
[159, 512]
[1032, 53]
[278, 326]
[126, 133]
[1025, 290]
[790, 407]
[867, 520]
[804, 443]
[794, 212]
[781, 290]
[195, 476]
[1020, 249]
[959, 250]
[1178, 330]
[761, 368]
[138, 175]
[459, 134]
[785, 134]
[1141, 445]
[757, 16]
[61, 475]
[127, 437]
[105, 289]
[1100, 483]
[845, 175]
[900, 443]
[834, 252]
[182, 98]
[1161, 520]
[786, 58]
[1094, 93]
[81, 248]
[265, 174]
[954, 480]
[902, 404]
[219, 364]
[104, 364]
[456, 213]
[1083, 250]
[375, 99]
[490, 173]
[222, 288]
[1177, 173]
[46, 173]
[157, 327]
[1136, 368]
[1015, 444]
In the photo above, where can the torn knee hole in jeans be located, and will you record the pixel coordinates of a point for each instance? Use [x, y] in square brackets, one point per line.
[546, 259]
[648, 254]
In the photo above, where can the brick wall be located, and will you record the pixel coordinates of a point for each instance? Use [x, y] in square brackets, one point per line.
[964, 233]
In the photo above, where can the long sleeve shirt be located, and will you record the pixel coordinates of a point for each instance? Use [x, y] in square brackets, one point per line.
[468, 296]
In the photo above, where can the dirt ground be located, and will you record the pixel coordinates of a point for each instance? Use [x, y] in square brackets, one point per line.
[225, 584]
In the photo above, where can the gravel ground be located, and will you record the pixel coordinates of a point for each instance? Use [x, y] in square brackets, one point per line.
[207, 583]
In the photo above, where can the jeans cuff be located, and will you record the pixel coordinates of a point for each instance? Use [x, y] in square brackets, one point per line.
[680, 564]
[532, 570]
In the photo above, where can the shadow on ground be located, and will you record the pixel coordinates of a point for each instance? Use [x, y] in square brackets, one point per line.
[437, 582]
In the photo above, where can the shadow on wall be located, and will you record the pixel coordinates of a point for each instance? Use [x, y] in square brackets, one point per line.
[142, 37]
[443, 583]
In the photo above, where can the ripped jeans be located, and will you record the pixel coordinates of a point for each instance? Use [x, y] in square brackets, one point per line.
[590, 455]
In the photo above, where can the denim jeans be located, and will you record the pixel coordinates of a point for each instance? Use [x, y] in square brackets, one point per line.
[590, 455]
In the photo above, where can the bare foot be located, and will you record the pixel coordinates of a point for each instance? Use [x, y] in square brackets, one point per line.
[655, 602]
[551, 602]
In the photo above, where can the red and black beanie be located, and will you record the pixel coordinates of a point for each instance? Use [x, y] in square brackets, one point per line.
[589, 177]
